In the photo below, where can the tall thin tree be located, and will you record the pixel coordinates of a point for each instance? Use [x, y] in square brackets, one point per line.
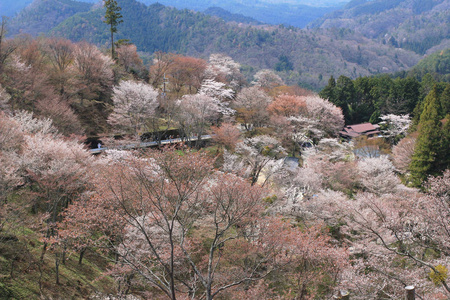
[6, 49]
[113, 17]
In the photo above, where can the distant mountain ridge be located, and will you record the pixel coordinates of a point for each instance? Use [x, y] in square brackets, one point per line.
[230, 17]
[42, 15]
[418, 25]
[314, 55]
[296, 13]
[289, 12]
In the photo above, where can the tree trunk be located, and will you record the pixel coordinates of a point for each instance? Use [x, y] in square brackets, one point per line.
[64, 256]
[41, 260]
[410, 292]
[113, 55]
[80, 260]
[57, 268]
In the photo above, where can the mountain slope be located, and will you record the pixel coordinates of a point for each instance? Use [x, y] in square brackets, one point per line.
[42, 15]
[314, 54]
[296, 13]
[230, 17]
[417, 25]
[289, 13]
[436, 64]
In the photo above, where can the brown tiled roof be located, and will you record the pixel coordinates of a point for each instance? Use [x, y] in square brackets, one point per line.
[356, 130]
[361, 128]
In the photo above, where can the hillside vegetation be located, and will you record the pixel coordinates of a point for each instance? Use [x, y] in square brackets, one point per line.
[436, 64]
[274, 205]
[42, 15]
[419, 26]
[230, 17]
[289, 13]
[315, 55]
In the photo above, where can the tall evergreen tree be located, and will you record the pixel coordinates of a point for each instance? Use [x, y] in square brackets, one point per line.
[329, 92]
[113, 17]
[445, 100]
[428, 144]
[443, 163]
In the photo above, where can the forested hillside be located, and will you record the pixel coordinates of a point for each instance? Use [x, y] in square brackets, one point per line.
[230, 17]
[295, 13]
[43, 15]
[436, 64]
[274, 205]
[312, 56]
[289, 13]
[419, 26]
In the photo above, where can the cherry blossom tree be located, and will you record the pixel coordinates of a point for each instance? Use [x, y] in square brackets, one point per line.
[306, 119]
[134, 103]
[287, 106]
[11, 140]
[62, 115]
[186, 71]
[224, 69]
[330, 117]
[267, 79]
[387, 229]
[31, 52]
[251, 107]
[377, 175]
[58, 168]
[254, 154]
[155, 202]
[194, 112]
[95, 70]
[227, 135]
[11, 137]
[4, 99]
[28, 123]
[128, 57]
[60, 54]
[188, 231]
[402, 153]
[161, 64]
[48, 171]
[218, 90]
[394, 127]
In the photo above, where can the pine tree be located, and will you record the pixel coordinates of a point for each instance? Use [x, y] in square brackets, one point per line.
[113, 18]
[443, 161]
[329, 91]
[428, 143]
[445, 100]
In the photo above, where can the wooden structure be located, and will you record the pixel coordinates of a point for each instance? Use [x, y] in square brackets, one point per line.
[352, 131]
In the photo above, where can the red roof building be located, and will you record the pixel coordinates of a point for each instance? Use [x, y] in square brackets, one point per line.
[352, 131]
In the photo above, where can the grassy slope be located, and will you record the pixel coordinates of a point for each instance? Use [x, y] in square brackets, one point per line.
[76, 281]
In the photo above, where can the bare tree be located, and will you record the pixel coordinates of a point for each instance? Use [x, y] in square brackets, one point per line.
[6, 47]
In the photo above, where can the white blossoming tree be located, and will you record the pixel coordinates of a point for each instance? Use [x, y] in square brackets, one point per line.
[394, 127]
[195, 112]
[134, 104]
[267, 79]
[257, 153]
